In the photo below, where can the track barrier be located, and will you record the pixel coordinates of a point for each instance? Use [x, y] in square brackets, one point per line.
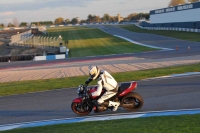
[16, 58]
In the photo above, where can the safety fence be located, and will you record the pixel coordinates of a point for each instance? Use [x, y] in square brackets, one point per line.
[170, 28]
[21, 37]
[27, 39]
[38, 42]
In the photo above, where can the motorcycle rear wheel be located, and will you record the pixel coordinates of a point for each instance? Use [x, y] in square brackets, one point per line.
[134, 100]
[80, 111]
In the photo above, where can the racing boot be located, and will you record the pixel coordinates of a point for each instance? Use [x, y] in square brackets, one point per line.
[115, 105]
[98, 107]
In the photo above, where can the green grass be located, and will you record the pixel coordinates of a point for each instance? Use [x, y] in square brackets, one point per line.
[170, 124]
[190, 36]
[50, 84]
[85, 41]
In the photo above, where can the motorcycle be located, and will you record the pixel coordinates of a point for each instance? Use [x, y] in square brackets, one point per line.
[129, 100]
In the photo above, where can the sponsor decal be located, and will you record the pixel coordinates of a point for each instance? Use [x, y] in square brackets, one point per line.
[185, 7]
[172, 9]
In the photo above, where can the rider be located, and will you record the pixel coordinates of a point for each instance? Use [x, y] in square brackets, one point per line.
[106, 81]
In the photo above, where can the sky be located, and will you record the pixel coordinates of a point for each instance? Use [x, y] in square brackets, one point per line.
[49, 10]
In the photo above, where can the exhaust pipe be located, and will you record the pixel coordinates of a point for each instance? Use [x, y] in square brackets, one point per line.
[128, 105]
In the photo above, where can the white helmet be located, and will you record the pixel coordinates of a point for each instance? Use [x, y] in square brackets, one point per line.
[94, 72]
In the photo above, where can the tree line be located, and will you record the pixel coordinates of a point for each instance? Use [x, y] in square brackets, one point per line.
[1, 25]
[178, 2]
[106, 18]
[90, 19]
[95, 18]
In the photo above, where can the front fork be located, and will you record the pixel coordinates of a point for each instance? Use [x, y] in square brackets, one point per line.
[89, 102]
[83, 106]
[86, 100]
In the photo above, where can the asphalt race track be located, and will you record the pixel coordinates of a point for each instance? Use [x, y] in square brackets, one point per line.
[159, 94]
[150, 39]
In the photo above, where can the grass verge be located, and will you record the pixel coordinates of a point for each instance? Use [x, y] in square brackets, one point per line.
[170, 124]
[50, 84]
[190, 36]
[84, 41]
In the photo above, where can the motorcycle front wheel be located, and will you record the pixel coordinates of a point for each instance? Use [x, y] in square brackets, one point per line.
[132, 101]
[81, 108]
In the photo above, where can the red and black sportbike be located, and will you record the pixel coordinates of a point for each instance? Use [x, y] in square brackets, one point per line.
[129, 100]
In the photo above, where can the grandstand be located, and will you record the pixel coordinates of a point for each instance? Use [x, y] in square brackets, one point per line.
[29, 39]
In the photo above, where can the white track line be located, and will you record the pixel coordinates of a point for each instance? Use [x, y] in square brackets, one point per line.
[138, 43]
[100, 118]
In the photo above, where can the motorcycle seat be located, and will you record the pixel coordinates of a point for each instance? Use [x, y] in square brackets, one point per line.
[123, 87]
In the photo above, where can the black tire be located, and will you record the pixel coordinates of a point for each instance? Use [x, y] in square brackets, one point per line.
[132, 98]
[74, 107]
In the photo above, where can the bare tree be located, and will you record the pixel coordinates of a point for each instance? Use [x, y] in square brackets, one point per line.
[176, 2]
[15, 22]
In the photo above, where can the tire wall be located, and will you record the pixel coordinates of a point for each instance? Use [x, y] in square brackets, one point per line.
[16, 58]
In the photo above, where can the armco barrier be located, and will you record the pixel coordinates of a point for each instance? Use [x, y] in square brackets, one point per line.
[49, 57]
[170, 28]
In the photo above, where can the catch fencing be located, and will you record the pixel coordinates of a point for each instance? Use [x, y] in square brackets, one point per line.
[170, 29]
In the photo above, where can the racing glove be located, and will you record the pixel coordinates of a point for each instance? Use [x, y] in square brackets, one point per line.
[88, 81]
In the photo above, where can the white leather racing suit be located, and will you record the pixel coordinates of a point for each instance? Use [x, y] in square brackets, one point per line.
[106, 81]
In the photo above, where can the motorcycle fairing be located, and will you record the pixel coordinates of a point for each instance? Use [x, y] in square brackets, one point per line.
[77, 100]
[126, 88]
